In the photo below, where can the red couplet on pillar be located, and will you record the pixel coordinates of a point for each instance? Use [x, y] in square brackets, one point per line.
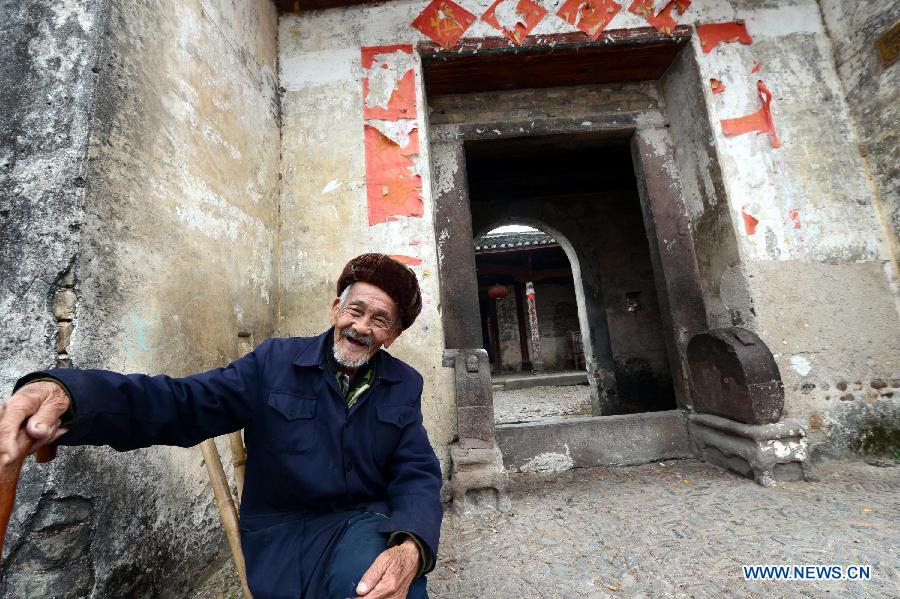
[537, 359]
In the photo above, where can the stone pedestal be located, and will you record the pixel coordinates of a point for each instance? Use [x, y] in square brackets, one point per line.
[738, 391]
[765, 452]
[478, 478]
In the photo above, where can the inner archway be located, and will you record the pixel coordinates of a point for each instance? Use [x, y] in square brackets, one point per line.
[530, 323]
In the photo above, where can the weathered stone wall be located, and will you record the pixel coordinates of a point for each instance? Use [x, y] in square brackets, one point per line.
[157, 180]
[871, 89]
[47, 51]
[868, 422]
[510, 358]
[812, 273]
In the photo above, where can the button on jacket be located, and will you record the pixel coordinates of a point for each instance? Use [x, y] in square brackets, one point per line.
[312, 463]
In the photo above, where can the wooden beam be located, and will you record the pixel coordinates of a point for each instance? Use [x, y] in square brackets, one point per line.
[492, 64]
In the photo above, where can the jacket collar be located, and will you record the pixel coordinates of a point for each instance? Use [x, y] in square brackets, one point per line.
[313, 354]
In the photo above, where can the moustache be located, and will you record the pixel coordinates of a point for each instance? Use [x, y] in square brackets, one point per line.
[351, 334]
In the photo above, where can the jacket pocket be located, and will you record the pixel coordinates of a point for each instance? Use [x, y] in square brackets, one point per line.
[399, 415]
[291, 422]
[392, 419]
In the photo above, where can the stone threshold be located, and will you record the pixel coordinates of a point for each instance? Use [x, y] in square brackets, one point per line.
[558, 444]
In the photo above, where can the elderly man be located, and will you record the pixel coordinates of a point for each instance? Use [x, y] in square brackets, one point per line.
[341, 497]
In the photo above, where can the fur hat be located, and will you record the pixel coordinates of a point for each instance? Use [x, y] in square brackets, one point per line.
[392, 277]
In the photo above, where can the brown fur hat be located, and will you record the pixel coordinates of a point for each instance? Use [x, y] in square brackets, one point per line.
[392, 277]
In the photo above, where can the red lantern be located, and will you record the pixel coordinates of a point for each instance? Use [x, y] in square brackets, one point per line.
[497, 291]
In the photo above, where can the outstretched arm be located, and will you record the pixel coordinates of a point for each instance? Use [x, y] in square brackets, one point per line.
[130, 411]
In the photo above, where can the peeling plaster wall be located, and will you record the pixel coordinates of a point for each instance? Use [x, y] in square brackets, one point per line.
[871, 89]
[814, 279]
[171, 137]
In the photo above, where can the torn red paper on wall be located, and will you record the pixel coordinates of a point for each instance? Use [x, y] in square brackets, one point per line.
[444, 21]
[682, 5]
[389, 86]
[392, 188]
[750, 221]
[641, 7]
[794, 216]
[760, 121]
[713, 34]
[409, 260]
[514, 18]
[590, 16]
[717, 86]
[756, 67]
[663, 21]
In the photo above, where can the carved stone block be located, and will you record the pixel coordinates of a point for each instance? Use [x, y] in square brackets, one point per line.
[479, 479]
[767, 453]
[474, 400]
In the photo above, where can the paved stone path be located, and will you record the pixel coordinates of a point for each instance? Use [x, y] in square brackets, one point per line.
[677, 529]
[682, 529]
[526, 405]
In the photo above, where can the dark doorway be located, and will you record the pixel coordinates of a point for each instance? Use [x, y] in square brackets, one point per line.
[581, 191]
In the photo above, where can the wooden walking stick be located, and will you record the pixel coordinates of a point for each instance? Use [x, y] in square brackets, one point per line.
[227, 511]
[9, 478]
[238, 462]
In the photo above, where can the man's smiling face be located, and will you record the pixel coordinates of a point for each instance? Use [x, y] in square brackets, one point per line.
[364, 322]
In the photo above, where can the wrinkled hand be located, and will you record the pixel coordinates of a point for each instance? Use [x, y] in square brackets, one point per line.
[41, 404]
[391, 573]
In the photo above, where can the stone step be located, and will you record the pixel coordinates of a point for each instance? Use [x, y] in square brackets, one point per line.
[557, 444]
[550, 379]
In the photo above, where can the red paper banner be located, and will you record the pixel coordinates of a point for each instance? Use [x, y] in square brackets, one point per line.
[392, 189]
[444, 21]
[409, 260]
[590, 16]
[760, 121]
[514, 20]
[713, 34]
[390, 85]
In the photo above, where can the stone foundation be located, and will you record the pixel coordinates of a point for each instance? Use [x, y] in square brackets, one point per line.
[766, 453]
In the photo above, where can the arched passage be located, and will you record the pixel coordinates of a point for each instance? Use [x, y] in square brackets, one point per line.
[591, 319]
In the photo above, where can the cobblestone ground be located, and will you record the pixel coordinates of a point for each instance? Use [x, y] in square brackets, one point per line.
[524, 405]
[682, 529]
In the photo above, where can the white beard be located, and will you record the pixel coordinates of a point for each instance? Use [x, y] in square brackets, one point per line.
[352, 364]
[346, 363]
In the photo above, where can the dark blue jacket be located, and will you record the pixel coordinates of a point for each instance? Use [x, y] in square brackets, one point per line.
[311, 462]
